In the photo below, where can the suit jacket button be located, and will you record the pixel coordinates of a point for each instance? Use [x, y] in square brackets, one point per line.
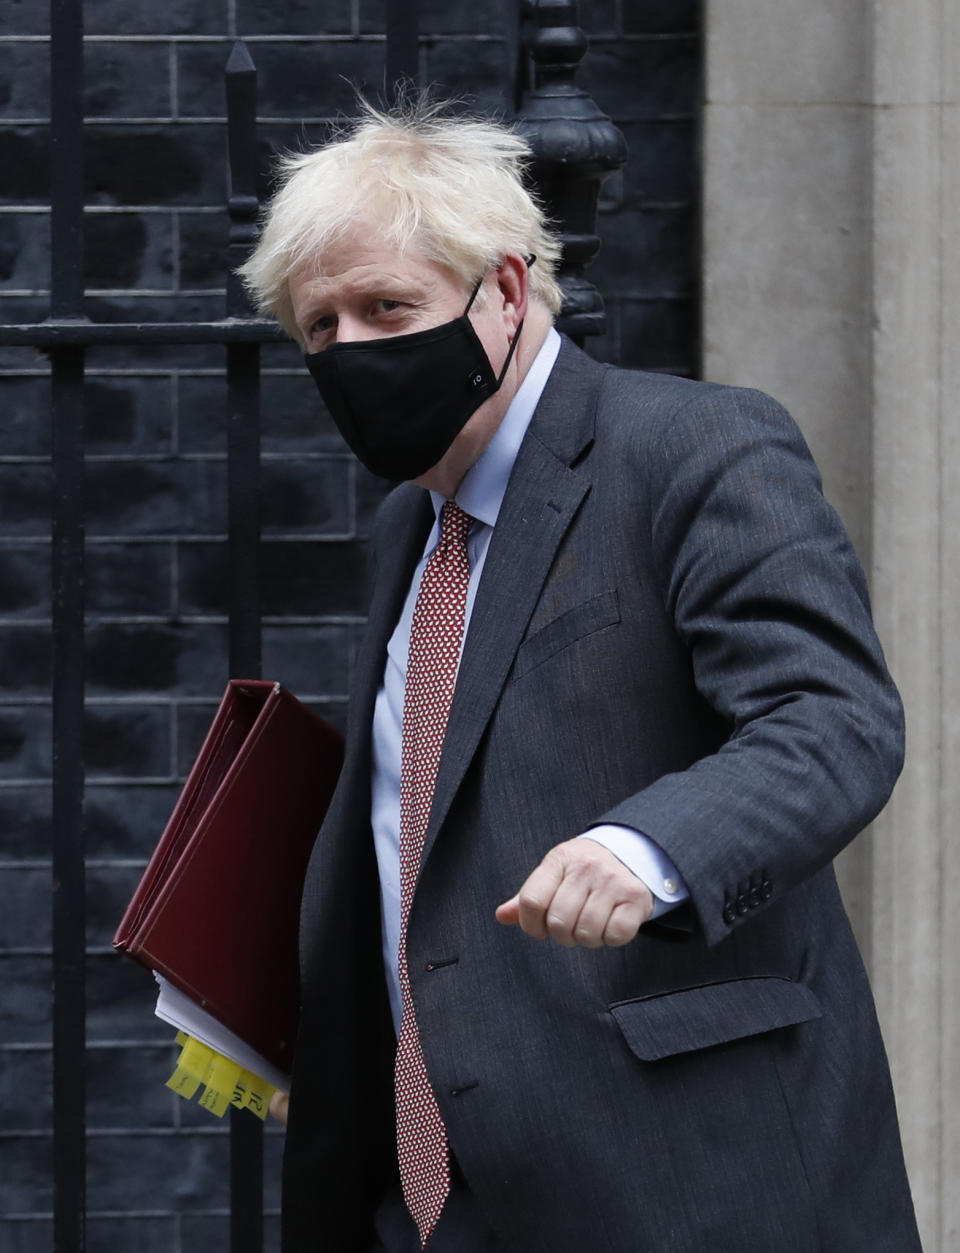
[729, 914]
[766, 889]
[755, 898]
[742, 905]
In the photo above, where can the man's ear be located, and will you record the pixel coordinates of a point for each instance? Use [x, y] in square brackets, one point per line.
[512, 280]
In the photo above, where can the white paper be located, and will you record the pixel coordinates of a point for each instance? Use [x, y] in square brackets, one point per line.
[176, 1008]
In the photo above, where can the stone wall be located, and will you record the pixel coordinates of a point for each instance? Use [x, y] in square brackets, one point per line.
[831, 279]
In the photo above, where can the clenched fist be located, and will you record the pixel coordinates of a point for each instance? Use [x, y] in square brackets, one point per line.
[580, 894]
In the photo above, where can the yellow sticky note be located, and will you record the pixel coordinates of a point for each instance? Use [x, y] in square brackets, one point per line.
[257, 1105]
[182, 1083]
[216, 1102]
[224, 1082]
[198, 1059]
[220, 1083]
[241, 1090]
[252, 1093]
[192, 1066]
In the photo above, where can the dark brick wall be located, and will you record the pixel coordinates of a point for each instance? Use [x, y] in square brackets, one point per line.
[156, 496]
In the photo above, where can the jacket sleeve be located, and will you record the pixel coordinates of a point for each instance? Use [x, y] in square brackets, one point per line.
[763, 587]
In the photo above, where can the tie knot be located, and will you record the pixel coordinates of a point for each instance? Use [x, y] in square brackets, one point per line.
[454, 523]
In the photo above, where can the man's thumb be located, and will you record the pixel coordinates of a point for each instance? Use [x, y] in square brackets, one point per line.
[509, 912]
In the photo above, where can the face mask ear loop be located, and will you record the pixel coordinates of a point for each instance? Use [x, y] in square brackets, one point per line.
[503, 373]
[473, 295]
[513, 344]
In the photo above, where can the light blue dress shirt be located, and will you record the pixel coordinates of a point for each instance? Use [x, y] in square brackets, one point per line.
[481, 495]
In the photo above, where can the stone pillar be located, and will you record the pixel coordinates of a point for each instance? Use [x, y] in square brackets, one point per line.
[832, 280]
[786, 225]
[787, 249]
[916, 578]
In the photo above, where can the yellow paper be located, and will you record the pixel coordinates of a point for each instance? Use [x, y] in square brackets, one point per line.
[183, 1084]
[197, 1059]
[224, 1082]
[193, 1065]
[220, 1083]
[252, 1093]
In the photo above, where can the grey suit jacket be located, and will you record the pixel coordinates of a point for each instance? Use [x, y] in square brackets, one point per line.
[671, 632]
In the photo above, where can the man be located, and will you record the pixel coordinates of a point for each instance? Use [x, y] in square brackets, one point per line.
[619, 693]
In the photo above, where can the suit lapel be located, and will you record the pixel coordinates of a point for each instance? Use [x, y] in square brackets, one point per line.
[542, 498]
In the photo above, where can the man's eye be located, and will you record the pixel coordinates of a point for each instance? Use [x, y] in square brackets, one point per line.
[389, 306]
[320, 326]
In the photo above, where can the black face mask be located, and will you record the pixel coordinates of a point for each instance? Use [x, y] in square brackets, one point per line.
[400, 402]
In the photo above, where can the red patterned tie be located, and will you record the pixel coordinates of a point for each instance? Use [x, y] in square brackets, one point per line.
[435, 638]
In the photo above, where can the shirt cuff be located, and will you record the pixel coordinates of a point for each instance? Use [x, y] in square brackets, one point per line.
[647, 860]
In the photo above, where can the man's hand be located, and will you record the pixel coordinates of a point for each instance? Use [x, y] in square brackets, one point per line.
[279, 1104]
[580, 894]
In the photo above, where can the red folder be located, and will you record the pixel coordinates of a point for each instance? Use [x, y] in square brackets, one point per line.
[217, 909]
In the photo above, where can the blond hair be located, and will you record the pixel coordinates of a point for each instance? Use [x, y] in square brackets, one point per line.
[450, 186]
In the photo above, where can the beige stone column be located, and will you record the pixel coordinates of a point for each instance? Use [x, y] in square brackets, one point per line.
[832, 280]
[916, 528]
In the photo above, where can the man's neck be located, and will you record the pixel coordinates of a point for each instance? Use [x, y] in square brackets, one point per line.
[536, 324]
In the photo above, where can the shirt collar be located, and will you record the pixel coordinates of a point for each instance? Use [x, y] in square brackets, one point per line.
[485, 483]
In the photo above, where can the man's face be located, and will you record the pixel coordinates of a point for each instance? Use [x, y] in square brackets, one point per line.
[365, 290]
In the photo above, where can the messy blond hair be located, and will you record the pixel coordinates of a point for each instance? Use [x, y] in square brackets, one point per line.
[450, 186]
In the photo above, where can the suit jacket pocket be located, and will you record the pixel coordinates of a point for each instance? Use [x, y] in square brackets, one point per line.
[697, 1018]
[582, 620]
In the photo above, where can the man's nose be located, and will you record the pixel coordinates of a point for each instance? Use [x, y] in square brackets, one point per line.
[351, 328]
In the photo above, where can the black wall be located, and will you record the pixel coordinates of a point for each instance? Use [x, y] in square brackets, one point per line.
[156, 494]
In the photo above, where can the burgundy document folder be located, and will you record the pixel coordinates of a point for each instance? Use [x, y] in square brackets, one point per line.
[216, 911]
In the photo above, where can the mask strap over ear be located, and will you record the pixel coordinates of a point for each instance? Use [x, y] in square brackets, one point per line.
[473, 295]
[513, 344]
